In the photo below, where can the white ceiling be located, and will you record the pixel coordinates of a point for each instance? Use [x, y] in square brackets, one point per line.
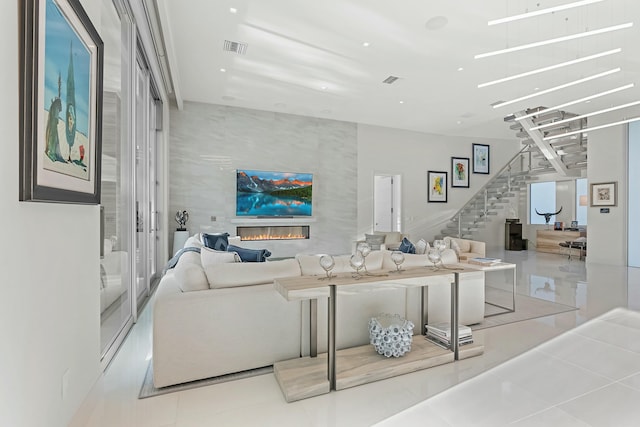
[307, 57]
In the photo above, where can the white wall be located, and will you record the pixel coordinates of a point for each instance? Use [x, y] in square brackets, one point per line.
[634, 191]
[607, 233]
[49, 310]
[411, 155]
[209, 142]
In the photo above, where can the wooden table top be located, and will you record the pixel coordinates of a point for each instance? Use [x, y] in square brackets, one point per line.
[311, 287]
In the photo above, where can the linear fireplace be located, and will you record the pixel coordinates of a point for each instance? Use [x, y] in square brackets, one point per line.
[273, 232]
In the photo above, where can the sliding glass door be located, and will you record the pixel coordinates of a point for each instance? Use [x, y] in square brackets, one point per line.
[116, 297]
[146, 124]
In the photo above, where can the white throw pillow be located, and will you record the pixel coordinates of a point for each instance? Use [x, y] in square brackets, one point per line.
[455, 247]
[422, 247]
[210, 256]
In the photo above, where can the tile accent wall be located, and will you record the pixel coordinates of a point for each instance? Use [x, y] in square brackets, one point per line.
[209, 142]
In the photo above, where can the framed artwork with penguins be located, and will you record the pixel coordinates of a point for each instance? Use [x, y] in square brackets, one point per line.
[61, 71]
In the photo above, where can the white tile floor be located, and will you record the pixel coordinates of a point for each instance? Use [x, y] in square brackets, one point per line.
[553, 371]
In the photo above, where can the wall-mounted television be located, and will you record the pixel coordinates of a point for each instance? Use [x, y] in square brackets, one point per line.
[273, 194]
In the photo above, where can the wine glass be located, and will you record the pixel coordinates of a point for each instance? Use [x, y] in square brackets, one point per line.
[440, 245]
[364, 249]
[357, 262]
[398, 258]
[434, 256]
[327, 263]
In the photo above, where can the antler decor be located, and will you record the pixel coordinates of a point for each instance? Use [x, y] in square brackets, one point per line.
[547, 216]
[181, 219]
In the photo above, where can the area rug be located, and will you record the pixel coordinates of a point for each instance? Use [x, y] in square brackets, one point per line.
[526, 308]
[148, 390]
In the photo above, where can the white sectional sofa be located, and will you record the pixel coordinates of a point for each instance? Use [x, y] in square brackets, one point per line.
[224, 318]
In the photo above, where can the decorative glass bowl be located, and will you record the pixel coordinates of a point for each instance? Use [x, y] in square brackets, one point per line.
[390, 334]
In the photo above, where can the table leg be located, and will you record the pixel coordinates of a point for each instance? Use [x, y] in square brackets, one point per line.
[454, 316]
[331, 345]
[424, 314]
[313, 326]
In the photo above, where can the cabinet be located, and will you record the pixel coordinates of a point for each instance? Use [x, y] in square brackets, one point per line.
[549, 241]
[513, 236]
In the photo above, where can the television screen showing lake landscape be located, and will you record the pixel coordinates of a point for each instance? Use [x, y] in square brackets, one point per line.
[273, 194]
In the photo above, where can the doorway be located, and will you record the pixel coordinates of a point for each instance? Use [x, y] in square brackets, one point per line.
[386, 203]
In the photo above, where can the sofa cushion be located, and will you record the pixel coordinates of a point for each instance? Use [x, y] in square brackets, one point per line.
[210, 257]
[374, 260]
[191, 277]
[189, 273]
[250, 255]
[456, 248]
[194, 241]
[390, 236]
[217, 241]
[247, 274]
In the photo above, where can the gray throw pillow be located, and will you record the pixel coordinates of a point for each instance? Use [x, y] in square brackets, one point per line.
[374, 240]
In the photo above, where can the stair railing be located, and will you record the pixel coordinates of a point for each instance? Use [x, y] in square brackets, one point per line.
[484, 189]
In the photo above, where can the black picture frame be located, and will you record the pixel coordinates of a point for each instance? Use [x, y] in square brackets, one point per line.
[481, 158]
[437, 186]
[60, 162]
[459, 172]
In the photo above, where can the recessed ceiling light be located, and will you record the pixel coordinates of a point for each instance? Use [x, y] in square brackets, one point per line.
[460, 68]
[223, 70]
[587, 102]
[401, 102]
[366, 44]
[324, 88]
[536, 88]
[233, 10]
[459, 122]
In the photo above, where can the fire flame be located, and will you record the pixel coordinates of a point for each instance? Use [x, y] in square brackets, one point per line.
[274, 237]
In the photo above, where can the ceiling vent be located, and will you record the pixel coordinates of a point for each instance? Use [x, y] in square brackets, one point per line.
[391, 79]
[236, 47]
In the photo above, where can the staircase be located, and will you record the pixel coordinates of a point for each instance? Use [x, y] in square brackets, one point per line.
[566, 156]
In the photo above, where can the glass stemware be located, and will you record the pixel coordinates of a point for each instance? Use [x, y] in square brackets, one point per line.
[434, 256]
[364, 249]
[327, 263]
[357, 262]
[440, 245]
[398, 258]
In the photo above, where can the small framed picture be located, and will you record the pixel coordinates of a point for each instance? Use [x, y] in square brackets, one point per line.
[437, 187]
[604, 194]
[480, 158]
[460, 172]
[558, 225]
[574, 224]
